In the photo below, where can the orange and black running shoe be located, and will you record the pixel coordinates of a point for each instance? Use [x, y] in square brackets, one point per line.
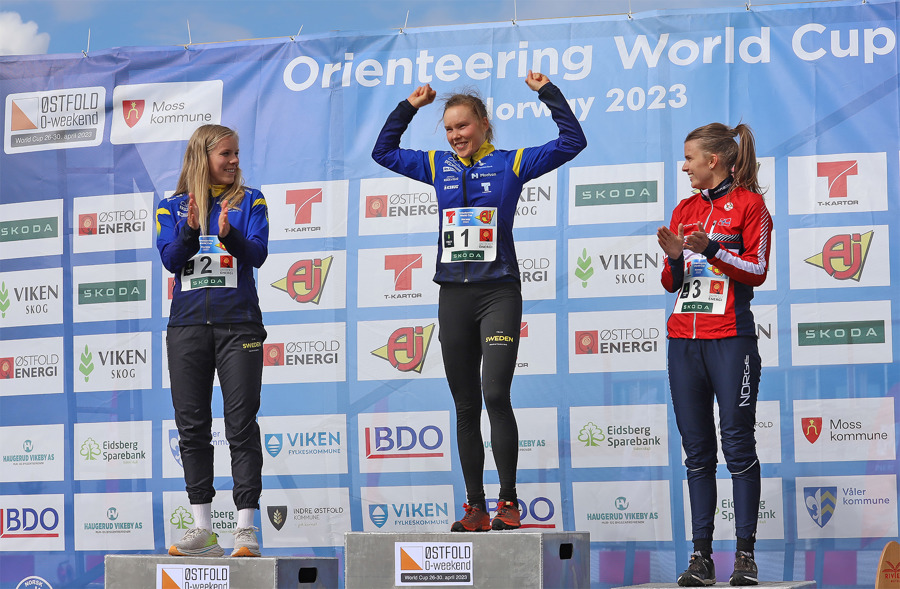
[507, 516]
[476, 519]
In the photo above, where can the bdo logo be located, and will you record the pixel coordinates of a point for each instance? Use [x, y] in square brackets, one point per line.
[536, 514]
[27, 522]
[407, 347]
[403, 441]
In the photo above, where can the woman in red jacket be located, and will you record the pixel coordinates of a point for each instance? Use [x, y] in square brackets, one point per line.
[718, 249]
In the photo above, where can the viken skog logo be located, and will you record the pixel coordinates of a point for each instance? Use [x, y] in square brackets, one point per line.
[86, 367]
[583, 268]
[4, 299]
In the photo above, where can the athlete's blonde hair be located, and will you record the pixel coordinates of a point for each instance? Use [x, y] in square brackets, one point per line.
[195, 171]
[719, 139]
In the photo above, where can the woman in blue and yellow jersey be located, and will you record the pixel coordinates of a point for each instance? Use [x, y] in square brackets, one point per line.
[480, 301]
[211, 234]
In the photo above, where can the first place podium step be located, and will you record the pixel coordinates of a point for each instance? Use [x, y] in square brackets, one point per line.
[519, 559]
[174, 572]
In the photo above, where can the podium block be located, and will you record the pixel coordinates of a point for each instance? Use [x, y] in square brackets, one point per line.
[279, 572]
[519, 559]
[768, 585]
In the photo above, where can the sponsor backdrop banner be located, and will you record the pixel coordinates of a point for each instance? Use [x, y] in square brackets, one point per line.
[356, 419]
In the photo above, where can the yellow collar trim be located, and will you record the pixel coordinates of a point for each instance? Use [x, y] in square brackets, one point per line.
[484, 150]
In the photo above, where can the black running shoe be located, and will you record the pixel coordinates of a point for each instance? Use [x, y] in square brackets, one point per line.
[700, 572]
[745, 571]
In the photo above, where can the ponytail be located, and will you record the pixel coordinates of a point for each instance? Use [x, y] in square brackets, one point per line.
[738, 157]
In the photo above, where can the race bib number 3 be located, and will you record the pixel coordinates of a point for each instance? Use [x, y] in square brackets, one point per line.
[211, 267]
[705, 289]
[469, 234]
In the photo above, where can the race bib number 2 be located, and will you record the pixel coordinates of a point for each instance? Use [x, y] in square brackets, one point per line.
[469, 234]
[705, 289]
[211, 267]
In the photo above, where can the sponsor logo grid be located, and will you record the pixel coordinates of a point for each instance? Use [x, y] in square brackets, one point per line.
[595, 313]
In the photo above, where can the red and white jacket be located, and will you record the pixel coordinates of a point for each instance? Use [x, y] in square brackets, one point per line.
[715, 287]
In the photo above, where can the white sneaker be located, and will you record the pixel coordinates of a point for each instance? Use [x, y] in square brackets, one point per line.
[197, 542]
[245, 543]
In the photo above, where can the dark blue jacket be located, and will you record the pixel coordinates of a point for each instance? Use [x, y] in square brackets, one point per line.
[247, 241]
[461, 182]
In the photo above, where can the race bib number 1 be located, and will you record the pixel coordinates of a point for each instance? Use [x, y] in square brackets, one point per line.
[211, 267]
[705, 289]
[469, 234]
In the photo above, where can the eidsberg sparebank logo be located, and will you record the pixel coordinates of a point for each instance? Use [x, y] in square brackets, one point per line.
[591, 435]
[90, 449]
[820, 503]
[181, 518]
